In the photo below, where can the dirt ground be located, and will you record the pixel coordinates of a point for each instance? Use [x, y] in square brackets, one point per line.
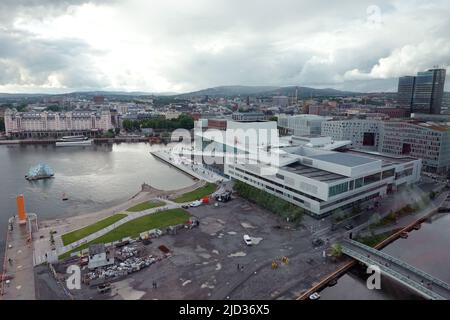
[213, 262]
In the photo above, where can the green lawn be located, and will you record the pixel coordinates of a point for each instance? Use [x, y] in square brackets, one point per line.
[197, 194]
[134, 227]
[84, 232]
[146, 205]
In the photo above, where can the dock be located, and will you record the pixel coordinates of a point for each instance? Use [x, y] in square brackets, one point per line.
[18, 273]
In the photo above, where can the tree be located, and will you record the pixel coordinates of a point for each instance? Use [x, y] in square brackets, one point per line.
[336, 250]
[127, 124]
[375, 218]
[54, 108]
[2, 124]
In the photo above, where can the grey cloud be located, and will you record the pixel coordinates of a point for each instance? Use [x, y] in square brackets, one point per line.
[342, 44]
[27, 60]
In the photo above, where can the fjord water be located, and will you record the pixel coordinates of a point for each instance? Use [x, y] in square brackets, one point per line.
[426, 249]
[93, 178]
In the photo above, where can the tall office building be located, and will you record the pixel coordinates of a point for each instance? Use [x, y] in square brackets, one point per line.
[422, 93]
[405, 91]
[428, 91]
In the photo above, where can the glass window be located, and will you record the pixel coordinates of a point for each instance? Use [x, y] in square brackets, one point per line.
[388, 173]
[372, 178]
[338, 189]
[358, 183]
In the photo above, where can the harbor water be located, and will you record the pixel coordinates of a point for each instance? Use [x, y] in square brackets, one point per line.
[92, 178]
[426, 249]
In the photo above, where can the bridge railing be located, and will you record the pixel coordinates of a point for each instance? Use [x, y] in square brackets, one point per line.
[400, 263]
[394, 274]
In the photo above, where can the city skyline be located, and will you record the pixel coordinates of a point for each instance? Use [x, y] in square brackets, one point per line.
[84, 45]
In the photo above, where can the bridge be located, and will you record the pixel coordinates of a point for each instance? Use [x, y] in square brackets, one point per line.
[421, 282]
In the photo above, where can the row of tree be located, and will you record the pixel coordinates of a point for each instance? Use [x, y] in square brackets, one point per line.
[270, 202]
[183, 121]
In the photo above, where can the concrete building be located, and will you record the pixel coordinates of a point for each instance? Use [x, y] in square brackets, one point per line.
[280, 101]
[248, 116]
[307, 172]
[324, 182]
[302, 124]
[364, 134]
[99, 256]
[37, 124]
[429, 141]
[172, 115]
[393, 112]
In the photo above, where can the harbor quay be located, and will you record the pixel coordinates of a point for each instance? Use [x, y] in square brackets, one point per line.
[28, 240]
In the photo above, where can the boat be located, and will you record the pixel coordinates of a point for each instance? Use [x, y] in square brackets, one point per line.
[332, 282]
[68, 141]
[41, 171]
[314, 296]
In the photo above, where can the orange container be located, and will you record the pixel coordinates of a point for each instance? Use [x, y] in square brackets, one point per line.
[20, 201]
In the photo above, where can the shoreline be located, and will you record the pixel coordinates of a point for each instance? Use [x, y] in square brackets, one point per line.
[81, 220]
[96, 140]
[407, 224]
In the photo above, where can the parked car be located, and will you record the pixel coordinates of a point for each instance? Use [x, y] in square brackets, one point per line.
[103, 288]
[317, 242]
[247, 240]
[196, 203]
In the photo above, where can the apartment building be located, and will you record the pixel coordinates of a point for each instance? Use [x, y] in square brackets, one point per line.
[364, 134]
[37, 124]
[429, 141]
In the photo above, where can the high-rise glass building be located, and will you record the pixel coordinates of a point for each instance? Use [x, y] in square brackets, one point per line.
[406, 91]
[422, 93]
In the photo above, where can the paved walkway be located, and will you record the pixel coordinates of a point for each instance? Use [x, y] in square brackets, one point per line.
[186, 165]
[19, 249]
[129, 217]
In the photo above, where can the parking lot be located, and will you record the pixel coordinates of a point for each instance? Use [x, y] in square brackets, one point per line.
[212, 261]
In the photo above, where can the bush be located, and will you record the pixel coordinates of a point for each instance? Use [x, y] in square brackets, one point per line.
[270, 202]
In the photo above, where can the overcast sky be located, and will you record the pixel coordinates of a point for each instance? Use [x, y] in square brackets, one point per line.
[185, 45]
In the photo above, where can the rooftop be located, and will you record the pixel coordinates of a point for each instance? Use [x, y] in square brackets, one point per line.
[343, 159]
[313, 173]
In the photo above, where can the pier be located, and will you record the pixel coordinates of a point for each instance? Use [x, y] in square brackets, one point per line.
[18, 273]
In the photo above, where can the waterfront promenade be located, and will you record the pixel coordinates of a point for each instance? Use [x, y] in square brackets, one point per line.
[194, 170]
[18, 264]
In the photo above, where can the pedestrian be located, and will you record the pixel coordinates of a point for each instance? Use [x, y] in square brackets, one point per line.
[10, 260]
[238, 266]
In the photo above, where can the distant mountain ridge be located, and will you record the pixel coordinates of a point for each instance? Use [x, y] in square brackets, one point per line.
[302, 92]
